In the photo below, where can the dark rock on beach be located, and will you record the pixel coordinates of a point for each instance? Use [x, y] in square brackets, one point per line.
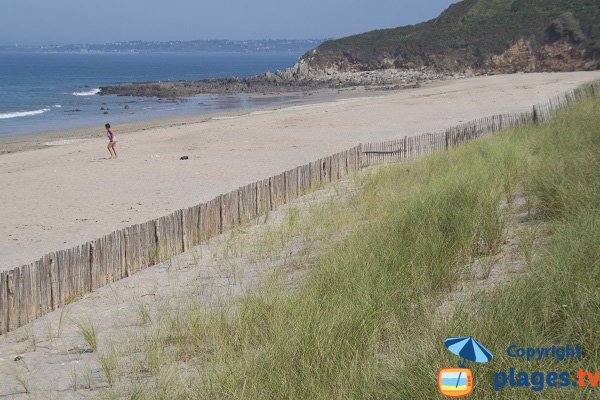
[299, 78]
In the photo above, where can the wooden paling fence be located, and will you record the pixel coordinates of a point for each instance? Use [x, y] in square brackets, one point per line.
[414, 146]
[30, 291]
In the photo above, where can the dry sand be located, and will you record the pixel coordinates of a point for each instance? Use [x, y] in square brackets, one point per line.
[68, 192]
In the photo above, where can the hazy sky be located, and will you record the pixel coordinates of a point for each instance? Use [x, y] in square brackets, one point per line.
[100, 21]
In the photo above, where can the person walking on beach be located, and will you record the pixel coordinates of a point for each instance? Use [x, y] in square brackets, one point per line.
[112, 141]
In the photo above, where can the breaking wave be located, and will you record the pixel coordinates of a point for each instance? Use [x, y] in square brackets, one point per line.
[87, 92]
[18, 114]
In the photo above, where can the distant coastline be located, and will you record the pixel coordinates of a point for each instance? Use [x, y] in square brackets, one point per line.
[177, 46]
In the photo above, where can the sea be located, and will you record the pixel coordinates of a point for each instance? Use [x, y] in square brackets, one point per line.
[54, 91]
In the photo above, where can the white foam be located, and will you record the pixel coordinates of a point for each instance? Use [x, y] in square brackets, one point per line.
[18, 114]
[57, 106]
[87, 92]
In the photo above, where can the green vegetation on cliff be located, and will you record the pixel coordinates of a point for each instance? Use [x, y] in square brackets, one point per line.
[468, 33]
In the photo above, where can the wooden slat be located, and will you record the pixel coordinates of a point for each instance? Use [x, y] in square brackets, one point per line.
[20, 302]
[263, 197]
[42, 281]
[303, 173]
[325, 165]
[360, 157]
[99, 272]
[108, 260]
[335, 167]
[169, 234]
[64, 266]
[118, 255]
[277, 187]
[82, 280]
[11, 305]
[291, 185]
[343, 163]
[3, 303]
[233, 210]
[72, 266]
[352, 159]
[148, 246]
[247, 202]
[133, 247]
[418, 147]
[365, 156]
[30, 293]
[51, 269]
[229, 210]
[315, 174]
[178, 245]
[210, 218]
[20, 291]
[190, 221]
[340, 161]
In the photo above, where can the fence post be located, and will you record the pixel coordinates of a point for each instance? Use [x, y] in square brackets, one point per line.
[404, 148]
[535, 115]
[3, 303]
[360, 156]
[220, 213]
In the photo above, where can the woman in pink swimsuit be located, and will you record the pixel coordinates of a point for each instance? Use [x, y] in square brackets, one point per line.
[112, 141]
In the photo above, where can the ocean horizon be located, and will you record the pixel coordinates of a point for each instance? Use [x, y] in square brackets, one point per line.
[52, 91]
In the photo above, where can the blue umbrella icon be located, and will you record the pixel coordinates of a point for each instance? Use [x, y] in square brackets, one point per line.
[469, 349]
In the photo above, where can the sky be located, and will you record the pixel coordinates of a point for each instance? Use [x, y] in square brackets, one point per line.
[36, 22]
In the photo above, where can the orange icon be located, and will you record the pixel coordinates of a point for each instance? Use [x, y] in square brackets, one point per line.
[455, 382]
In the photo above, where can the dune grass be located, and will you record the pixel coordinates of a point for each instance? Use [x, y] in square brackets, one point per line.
[362, 323]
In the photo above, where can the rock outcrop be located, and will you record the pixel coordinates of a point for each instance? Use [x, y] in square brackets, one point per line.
[295, 79]
[482, 35]
[560, 56]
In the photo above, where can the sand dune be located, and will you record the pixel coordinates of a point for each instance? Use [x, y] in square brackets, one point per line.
[68, 192]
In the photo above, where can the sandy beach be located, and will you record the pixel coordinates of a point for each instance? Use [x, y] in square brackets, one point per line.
[68, 192]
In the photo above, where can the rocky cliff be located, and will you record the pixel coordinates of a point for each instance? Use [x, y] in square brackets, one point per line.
[486, 36]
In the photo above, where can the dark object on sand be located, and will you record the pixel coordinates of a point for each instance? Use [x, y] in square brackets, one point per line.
[184, 158]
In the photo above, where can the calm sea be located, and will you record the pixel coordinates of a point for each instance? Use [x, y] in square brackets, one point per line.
[40, 92]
